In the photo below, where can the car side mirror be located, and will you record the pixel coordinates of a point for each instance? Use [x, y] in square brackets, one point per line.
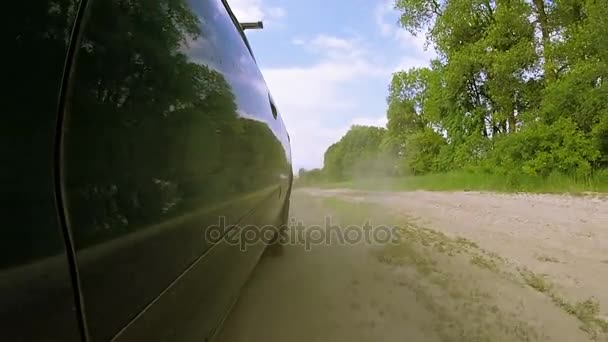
[252, 26]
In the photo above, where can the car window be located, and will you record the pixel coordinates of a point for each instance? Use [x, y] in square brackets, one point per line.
[168, 126]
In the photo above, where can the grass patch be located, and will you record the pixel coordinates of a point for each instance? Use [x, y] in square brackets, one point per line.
[535, 281]
[466, 242]
[586, 311]
[406, 253]
[416, 248]
[478, 181]
[461, 311]
[484, 262]
[546, 258]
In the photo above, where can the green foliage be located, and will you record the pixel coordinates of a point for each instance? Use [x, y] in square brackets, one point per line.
[358, 154]
[540, 149]
[422, 151]
[480, 181]
[310, 177]
[506, 102]
[518, 91]
[600, 139]
[172, 140]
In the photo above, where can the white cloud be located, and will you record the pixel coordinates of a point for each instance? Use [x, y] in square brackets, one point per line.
[316, 100]
[277, 12]
[297, 41]
[338, 49]
[254, 10]
[382, 10]
[341, 60]
[308, 96]
[324, 41]
[387, 20]
[311, 98]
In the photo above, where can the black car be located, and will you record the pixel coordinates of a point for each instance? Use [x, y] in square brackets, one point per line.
[139, 141]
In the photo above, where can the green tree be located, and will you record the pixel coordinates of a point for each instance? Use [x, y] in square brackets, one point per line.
[518, 86]
[357, 154]
[503, 66]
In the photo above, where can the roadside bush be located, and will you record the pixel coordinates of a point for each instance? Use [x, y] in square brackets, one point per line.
[310, 177]
[359, 153]
[600, 139]
[471, 153]
[540, 149]
[422, 150]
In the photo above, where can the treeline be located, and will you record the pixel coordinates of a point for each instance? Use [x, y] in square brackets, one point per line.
[362, 152]
[518, 88]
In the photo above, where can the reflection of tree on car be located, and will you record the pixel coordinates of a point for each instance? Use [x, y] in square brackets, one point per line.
[33, 57]
[115, 166]
[154, 89]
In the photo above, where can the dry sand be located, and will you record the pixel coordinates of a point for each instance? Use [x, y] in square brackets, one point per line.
[470, 267]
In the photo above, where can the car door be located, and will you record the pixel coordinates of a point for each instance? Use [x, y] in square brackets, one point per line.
[37, 299]
[168, 134]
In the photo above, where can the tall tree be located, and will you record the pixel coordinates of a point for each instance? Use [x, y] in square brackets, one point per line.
[502, 66]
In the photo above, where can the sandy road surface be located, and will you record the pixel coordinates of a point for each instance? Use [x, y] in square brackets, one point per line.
[468, 267]
[562, 237]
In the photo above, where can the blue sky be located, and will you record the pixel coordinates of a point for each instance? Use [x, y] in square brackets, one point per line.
[328, 64]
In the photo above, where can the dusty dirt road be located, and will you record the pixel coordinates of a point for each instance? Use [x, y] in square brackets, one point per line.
[465, 267]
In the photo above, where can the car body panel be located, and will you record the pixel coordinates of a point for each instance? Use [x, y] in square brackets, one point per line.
[168, 133]
[38, 301]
